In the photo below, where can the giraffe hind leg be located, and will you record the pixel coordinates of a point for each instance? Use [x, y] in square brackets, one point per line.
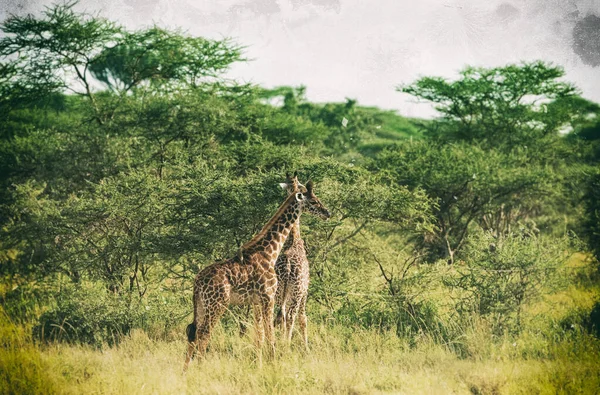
[282, 317]
[204, 330]
[280, 296]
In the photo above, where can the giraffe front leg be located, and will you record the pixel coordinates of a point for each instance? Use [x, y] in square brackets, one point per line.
[259, 329]
[292, 313]
[302, 321]
[268, 307]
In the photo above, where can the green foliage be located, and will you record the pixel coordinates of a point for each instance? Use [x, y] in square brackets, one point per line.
[162, 58]
[583, 319]
[17, 89]
[469, 185]
[56, 48]
[592, 213]
[111, 200]
[500, 107]
[91, 315]
[500, 276]
[367, 129]
[66, 46]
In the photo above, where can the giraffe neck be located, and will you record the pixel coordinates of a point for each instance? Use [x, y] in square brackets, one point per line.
[295, 237]
[274, 234]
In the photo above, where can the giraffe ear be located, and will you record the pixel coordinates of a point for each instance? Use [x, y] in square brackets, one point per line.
[299, 196]
[309, 186]
[283, 185]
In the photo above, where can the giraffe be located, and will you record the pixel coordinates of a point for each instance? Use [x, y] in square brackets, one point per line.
[249, 277]
[293, 277]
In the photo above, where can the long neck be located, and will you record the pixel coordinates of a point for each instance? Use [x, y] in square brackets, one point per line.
[295, 233]
[272, 236]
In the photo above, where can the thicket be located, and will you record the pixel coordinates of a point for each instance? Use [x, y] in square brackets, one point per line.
[128, 161]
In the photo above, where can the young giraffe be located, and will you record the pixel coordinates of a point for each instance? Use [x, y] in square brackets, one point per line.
[248, 278]
[293, 275]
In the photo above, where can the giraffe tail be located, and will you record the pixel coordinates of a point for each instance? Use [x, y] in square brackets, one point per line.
[191, 332]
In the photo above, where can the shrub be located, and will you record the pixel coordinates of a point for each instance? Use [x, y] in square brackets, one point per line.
[500, 275]
[92, 315]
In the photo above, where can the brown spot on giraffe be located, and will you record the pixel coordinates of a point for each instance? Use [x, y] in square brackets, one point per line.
[248, 281]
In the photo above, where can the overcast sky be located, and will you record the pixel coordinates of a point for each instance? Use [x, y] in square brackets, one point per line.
[364, 49]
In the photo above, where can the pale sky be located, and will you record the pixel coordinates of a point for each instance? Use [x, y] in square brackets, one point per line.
[364, 49]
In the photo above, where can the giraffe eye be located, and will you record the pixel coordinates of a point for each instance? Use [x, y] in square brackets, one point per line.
[299, 196]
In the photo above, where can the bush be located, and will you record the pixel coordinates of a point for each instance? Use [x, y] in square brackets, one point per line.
[95, 316]
[500, 275]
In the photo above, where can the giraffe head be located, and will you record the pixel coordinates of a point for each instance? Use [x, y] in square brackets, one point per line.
[306, 195]
[291, 183]
[310, 202]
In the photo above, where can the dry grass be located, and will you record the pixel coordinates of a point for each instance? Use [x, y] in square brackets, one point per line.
[365, 362]
[546, 358]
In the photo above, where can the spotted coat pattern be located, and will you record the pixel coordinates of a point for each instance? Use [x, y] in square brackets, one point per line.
[293, 274]
[293, 277]
[247, 279]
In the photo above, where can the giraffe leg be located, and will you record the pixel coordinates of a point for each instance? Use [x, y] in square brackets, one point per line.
[204, 327]
[292, 313]
[302, 321]
[192, 332]
[243, 322]
[259, 329]
[267, 307]
[211, 318]
[281, 297]
[280, 317]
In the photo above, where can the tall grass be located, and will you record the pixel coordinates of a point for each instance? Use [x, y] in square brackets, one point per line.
[554, 352]
[22, 370]
[340, 361]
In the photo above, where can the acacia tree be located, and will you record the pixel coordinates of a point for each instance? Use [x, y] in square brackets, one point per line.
[163, 59]
[75, 52]
[468, 185]
[492, 156]
[498, 282]
[499, 107]
[60, 46]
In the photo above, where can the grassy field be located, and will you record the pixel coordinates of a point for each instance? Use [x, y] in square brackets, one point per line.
[549, 356]
[361, 362]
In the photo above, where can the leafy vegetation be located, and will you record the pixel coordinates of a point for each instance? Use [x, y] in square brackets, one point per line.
[467, 243]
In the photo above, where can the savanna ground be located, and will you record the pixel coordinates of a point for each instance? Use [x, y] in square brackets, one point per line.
[552, 355]
[462, 255]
